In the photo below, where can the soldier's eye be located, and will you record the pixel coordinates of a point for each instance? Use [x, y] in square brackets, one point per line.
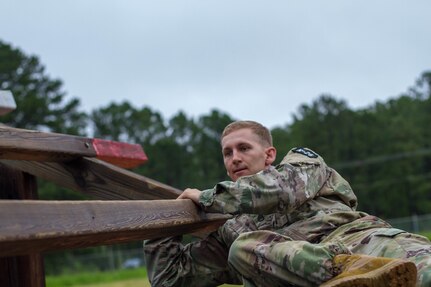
[244, 148]
[227, 153]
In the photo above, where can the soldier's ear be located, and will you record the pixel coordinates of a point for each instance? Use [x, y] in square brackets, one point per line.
[270, 153]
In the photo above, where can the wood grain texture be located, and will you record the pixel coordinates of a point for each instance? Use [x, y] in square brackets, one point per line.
[26, 270]
[28, 226]
[22, 271]
[97, 179]
[21, 144]
[35, 145]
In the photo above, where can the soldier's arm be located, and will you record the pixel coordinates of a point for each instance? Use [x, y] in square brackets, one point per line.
[201, 263]
[296, 180]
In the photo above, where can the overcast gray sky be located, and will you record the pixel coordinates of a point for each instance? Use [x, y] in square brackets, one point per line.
[255, 60]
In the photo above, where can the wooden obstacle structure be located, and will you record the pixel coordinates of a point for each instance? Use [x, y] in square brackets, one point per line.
[126, 206]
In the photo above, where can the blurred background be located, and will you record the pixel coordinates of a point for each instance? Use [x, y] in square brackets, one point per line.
[348, 79]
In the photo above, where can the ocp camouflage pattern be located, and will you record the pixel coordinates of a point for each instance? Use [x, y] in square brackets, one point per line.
[305, 214]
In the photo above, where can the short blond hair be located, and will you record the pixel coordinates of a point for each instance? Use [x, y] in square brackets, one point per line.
[261, 131]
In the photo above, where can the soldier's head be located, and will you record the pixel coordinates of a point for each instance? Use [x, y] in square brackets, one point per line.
[247, 148]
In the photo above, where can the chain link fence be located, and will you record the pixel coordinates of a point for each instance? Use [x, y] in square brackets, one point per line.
[414, 223]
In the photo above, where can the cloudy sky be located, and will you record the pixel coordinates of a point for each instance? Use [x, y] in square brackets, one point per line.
[252, 59]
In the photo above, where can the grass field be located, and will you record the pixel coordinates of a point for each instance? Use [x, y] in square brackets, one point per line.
[123, 278]
[124, 283]
[120, 278]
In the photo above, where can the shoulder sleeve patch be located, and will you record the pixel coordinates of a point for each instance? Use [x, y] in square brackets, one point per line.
[305, 151]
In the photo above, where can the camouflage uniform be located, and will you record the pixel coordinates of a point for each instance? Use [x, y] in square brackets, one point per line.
[314, 211]
[203, 262]
[321, 222]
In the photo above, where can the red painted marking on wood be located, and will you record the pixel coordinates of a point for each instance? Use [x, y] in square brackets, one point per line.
[120, 154]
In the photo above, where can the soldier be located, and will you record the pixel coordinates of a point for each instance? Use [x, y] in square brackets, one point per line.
[312, 233]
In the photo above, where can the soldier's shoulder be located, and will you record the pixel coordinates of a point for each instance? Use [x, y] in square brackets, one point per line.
[302, 154]
[304, 151]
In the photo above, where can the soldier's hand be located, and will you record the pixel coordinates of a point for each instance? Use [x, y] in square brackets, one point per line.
[191, 193]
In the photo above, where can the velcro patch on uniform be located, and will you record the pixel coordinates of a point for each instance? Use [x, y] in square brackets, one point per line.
[305, 151]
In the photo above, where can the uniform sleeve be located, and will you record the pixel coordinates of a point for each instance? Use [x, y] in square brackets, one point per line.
[172, 263]
[297, 179]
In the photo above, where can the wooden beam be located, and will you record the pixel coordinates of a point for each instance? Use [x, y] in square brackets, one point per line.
[28, 226]
[21, 144]
[7, 102]
[97, 179]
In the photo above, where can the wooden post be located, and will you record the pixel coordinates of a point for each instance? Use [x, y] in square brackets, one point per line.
[27, 270]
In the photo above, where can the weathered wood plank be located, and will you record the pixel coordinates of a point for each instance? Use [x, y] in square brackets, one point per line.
[33, 225]
[22, 271]
[26, 270]
[97, 179]
[21, 144]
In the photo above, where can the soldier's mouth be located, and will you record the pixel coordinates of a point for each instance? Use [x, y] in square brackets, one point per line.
[240, 170]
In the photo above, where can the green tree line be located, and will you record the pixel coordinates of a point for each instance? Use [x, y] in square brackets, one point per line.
[383, 150]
